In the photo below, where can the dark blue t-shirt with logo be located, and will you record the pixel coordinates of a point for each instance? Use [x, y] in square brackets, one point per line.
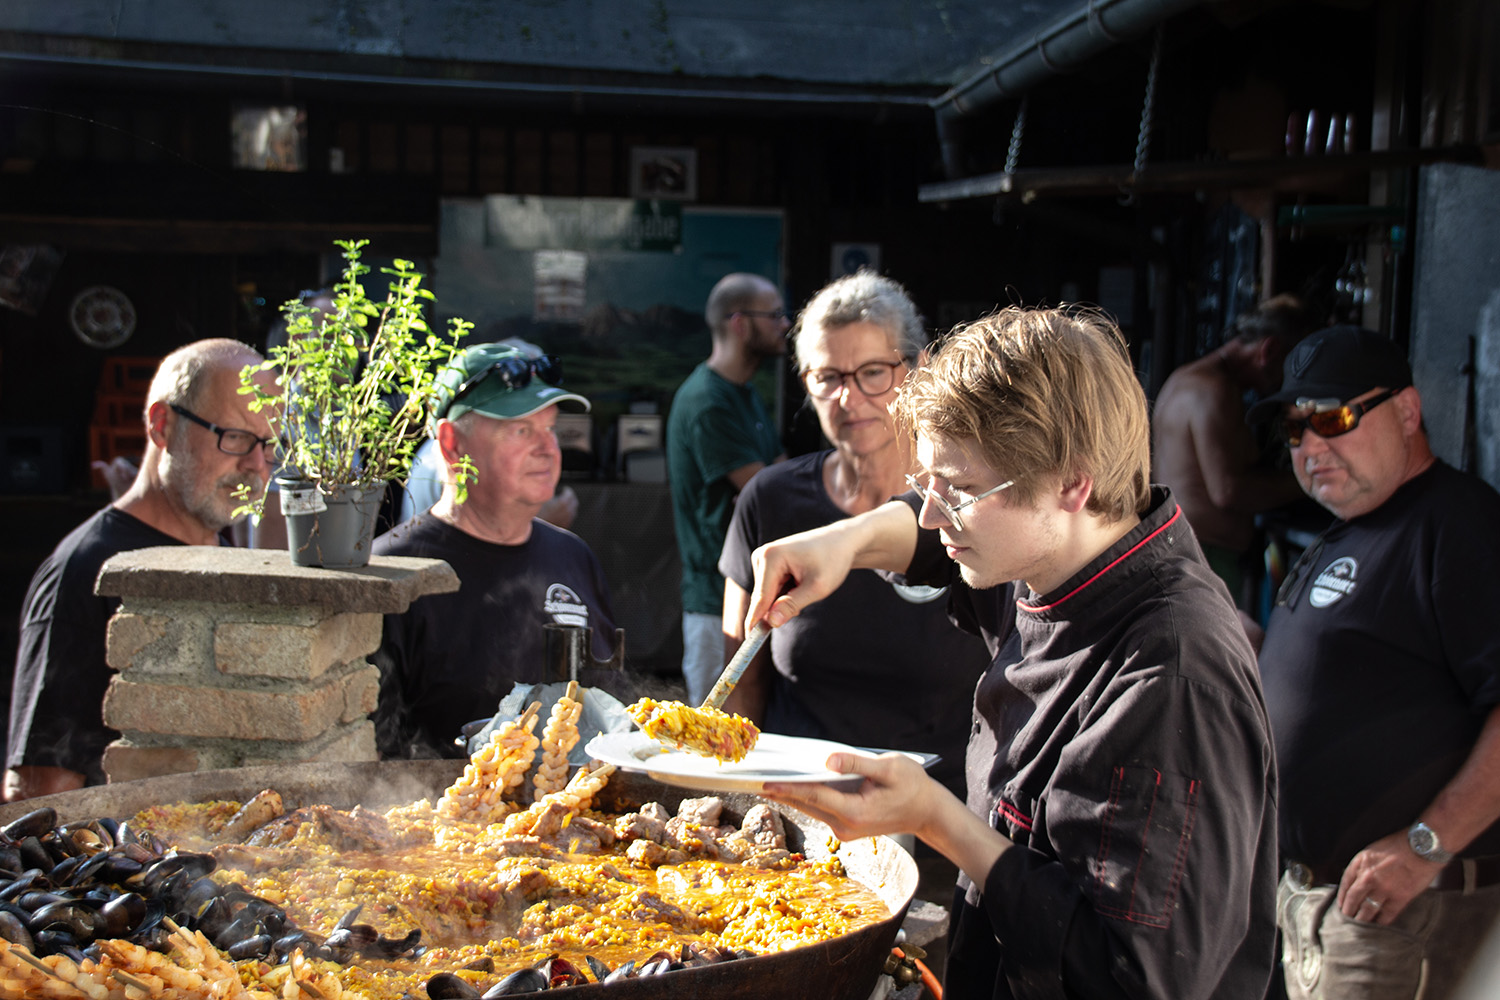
[450, 658]
[1381, 666]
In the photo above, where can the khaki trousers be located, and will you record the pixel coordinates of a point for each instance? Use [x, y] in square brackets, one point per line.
[1423, 955]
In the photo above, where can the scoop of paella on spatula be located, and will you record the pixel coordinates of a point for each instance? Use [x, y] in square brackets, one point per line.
[707, 731]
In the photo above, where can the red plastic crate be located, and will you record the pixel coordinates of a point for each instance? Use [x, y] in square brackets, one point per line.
[108, 443]
[119, 410]
[128, 375]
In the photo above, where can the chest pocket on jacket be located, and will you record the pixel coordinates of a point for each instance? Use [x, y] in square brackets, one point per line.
[1143, 845]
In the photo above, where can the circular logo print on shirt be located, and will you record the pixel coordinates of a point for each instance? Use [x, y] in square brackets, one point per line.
[1333, 584]
[918, 595]
[564, 606]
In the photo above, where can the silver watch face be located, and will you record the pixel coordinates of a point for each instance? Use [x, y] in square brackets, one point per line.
[1424, 842]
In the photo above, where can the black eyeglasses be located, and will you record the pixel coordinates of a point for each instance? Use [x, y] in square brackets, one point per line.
[872, 377]
[776, 314]
[231, 441]
[514, 373]
[1329, 418]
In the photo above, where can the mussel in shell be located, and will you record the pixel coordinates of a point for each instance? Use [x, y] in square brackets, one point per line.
[518, 982]
[447, 986]
[13, 929]
[33, 824]
[70, 915]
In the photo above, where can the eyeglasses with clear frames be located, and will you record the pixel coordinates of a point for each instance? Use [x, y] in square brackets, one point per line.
[231, 441]
[950, 510]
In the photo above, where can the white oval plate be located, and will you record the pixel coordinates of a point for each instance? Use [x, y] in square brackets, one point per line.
[775, 758]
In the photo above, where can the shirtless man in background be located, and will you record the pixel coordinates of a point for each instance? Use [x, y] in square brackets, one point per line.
[1202, 448]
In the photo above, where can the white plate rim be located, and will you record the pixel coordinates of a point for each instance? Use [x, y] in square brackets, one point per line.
[703, 773]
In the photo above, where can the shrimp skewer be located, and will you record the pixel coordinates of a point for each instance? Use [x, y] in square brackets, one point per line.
[496, 768]
[558, 739]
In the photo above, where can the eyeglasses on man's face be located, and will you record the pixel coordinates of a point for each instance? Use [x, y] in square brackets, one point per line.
[231, 441]
[1330, 418]
[949, 508]
[514, 373]
[873, 378]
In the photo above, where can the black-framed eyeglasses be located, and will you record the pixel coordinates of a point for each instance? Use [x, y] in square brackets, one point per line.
[776, 314]
[950, 510]
[231, 441]
[872, 377]
[1330, 418]
[514, 373]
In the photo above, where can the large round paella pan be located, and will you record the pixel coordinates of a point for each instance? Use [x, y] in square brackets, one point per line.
[843, 966]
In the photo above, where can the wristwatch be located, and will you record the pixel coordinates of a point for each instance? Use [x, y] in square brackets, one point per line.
[1424, 842]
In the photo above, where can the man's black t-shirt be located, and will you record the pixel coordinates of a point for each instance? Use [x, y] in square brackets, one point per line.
[57, 695]
[1382, 665]
[450, 658]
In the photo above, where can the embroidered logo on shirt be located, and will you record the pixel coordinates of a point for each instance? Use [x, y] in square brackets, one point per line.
[564, 606]
[918, 595]
[1333, 584]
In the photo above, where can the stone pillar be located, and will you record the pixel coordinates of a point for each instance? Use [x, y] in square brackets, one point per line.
[234, 657]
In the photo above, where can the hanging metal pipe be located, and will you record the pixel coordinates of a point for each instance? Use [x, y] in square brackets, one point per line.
[1059, 48]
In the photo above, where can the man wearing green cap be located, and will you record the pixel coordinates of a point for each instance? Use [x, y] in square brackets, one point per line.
[450, 658]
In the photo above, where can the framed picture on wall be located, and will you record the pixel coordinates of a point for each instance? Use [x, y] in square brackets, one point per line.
[664, 172]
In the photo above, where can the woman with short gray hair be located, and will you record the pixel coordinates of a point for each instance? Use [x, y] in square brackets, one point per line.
[847, 670]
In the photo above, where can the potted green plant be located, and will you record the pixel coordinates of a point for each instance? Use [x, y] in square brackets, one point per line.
[357, 384]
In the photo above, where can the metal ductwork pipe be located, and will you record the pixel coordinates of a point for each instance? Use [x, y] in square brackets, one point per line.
[1059, 48]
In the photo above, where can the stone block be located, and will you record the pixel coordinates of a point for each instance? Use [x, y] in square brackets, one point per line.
[124, 761]
[354, 742]
[260, 649]
[345, 743]
[227, 576]
[159, 640]
[362, 690]
[128, 635]
[290, 712]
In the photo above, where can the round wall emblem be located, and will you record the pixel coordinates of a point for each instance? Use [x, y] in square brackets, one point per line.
[102, 316]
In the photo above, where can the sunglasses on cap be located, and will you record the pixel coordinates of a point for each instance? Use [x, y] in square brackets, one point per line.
[1329, 418]
[514, 373]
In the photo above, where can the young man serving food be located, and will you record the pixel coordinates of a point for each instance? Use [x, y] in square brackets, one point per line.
[1119, 836]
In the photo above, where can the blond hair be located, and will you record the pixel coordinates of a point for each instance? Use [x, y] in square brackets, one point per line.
[1045, 393]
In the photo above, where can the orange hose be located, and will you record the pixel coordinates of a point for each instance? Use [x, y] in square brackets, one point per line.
[928, 979]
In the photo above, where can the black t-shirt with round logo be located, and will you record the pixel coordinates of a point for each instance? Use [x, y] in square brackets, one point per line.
[450, 658]
[1382, 665]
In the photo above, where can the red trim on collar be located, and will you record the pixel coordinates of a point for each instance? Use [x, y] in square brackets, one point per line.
[1123, 556]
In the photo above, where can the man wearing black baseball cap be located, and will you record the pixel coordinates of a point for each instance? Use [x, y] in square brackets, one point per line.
[450, 658]
[1381, 670]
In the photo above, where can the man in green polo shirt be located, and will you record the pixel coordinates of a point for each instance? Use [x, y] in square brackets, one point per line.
[718, 436]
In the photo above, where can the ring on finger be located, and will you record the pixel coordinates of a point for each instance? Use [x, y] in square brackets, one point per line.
[1371, 902]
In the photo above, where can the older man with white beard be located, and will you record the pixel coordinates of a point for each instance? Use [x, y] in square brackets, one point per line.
[203, 443]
